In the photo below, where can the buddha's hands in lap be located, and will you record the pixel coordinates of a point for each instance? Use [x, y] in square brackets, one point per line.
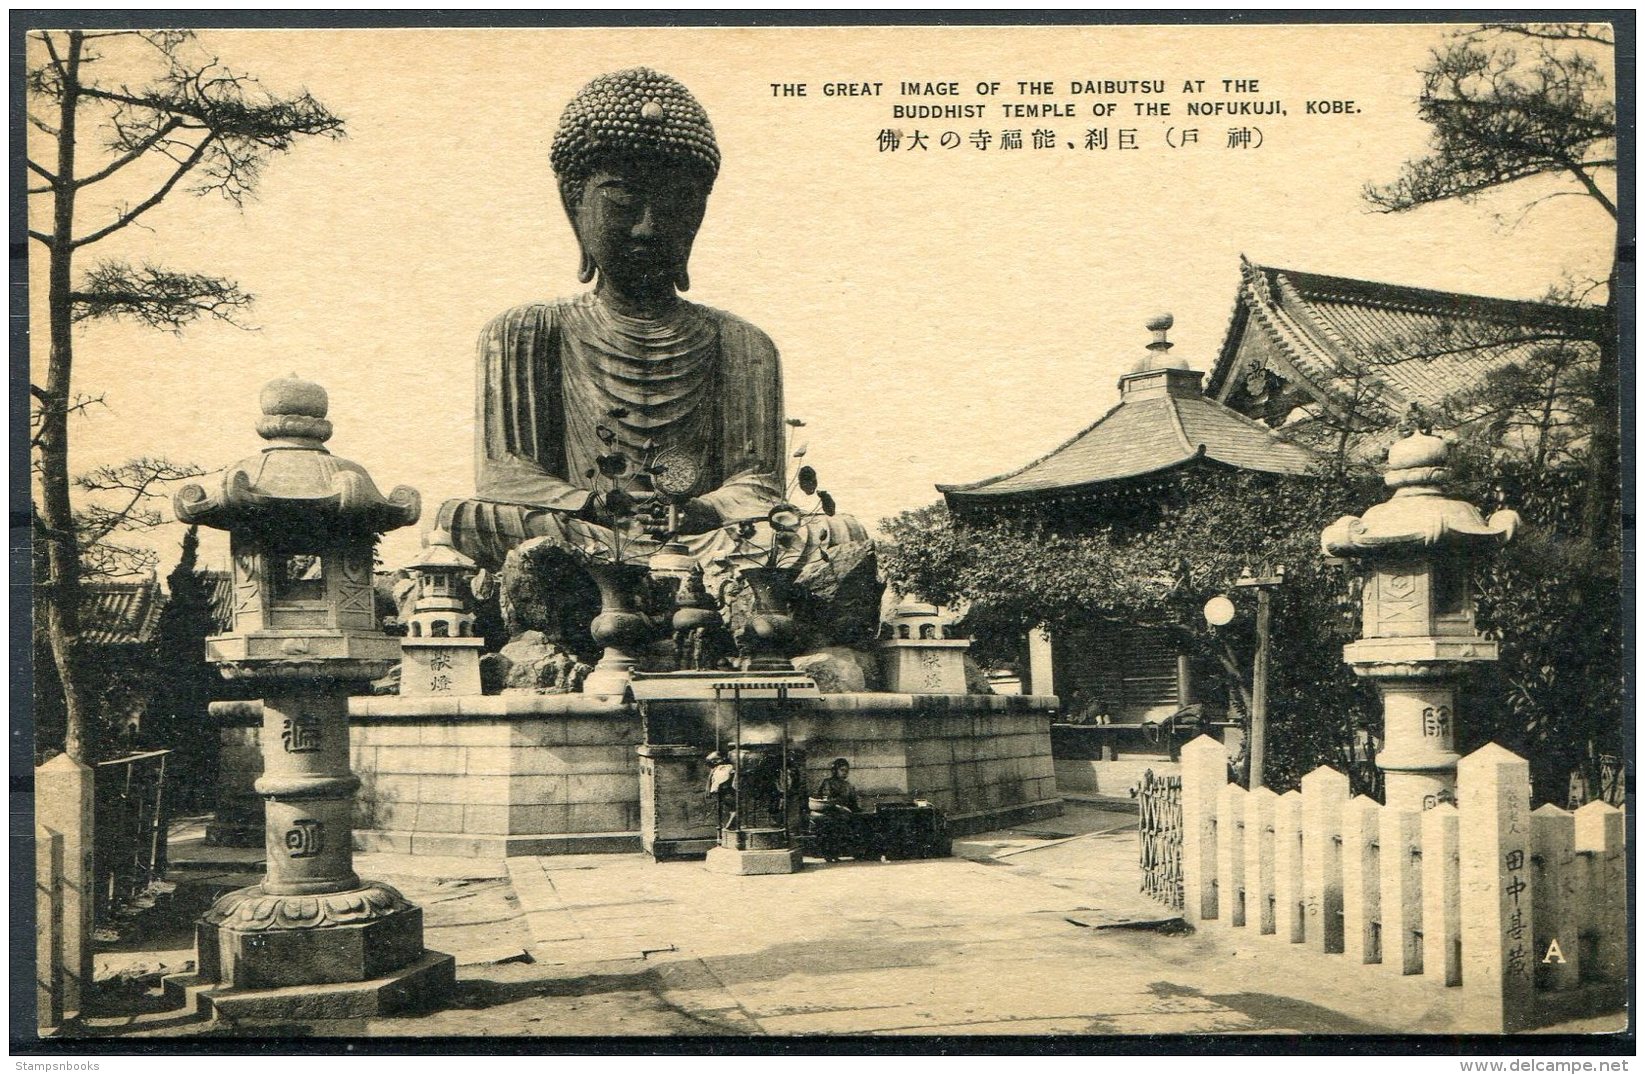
[697, 516]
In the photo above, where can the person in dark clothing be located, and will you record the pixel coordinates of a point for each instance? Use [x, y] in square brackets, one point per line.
[834, 812]
[836, 787]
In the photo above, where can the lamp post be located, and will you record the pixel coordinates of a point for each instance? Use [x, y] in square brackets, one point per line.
[1418, 631]
[1219, 612]
[302, 524]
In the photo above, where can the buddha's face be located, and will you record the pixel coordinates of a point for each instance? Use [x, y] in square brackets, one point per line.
[638, 222]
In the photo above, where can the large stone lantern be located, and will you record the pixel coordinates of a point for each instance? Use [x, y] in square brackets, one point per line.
[302, 524]
[1418, 633]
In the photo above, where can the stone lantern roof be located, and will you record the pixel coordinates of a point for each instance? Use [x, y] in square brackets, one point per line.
[440, 555]
[294, 484]
[1419, 515]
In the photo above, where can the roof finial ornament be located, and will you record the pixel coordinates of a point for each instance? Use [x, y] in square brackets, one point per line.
[294, 410]
[1159, 325]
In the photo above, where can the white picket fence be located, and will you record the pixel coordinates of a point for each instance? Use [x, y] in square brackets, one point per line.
[1508, 904]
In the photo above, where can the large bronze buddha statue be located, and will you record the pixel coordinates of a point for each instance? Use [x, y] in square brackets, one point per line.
[629, 365]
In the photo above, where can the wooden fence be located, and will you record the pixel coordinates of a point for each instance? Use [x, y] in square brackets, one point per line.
[1507, 904]
[130, 823]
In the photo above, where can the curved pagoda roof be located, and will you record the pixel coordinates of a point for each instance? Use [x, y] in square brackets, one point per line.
[1163, 422]
[1321, 333]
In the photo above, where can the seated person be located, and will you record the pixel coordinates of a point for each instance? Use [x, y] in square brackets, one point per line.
[834, 814]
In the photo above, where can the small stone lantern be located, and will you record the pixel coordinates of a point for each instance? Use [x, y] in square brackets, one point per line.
[918, 657]
[439, 653]
[1418, 633]
[302, 524]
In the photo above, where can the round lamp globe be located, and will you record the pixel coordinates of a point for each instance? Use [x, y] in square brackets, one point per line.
[1219, 611]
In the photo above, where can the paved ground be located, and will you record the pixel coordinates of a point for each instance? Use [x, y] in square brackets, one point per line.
[1033, 931]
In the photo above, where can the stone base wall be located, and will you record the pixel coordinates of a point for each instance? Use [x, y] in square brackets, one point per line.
[984, 760]
[1114, 778]
[239, 816]
[494, 776]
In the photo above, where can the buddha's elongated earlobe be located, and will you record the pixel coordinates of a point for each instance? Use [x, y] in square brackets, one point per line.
[682, 275]
[585, 267]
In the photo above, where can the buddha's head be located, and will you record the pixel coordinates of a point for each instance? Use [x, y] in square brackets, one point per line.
[635, 158]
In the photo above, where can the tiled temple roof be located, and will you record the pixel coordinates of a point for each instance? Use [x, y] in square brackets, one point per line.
[1417, 345]
[1161, 422]
[120, 613]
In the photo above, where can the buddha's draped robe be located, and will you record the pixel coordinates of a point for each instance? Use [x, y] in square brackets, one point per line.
[697, 381]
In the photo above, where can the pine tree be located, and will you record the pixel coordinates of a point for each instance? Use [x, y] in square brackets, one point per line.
[184, 683]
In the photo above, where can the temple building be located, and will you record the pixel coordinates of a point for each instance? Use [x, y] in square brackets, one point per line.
[1335, 362]
[1123, 682]
[119, 618]
[1312, 368]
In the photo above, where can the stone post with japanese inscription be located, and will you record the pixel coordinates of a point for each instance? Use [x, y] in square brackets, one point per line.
[1418, 633]
[302, 524]
[1498, 927]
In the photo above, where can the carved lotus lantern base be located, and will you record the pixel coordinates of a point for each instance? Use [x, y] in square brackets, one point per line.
[251, 939]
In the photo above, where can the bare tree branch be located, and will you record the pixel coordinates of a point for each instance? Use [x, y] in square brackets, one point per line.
[136, 480]
[142, 146]
[150, 202]
[1592, 188]
[1599, 34]
[51, 49]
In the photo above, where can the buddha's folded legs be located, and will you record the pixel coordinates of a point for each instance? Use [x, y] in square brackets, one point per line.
[485, 530]
[559, 598]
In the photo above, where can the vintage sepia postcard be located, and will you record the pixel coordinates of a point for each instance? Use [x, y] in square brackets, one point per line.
[685, 537]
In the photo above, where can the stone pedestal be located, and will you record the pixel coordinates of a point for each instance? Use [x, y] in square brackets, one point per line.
[436, 666]
[312, 921]
[550, 774]
[678, 818]
[64, 802]
[1417, 678]
[924, 665]
[748, 863]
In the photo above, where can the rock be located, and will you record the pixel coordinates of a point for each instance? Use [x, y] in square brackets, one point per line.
[494, 669]
[531, 661]
[839, 600]
[541, 588]
[841, 670]
[388, 684]
[976, 680]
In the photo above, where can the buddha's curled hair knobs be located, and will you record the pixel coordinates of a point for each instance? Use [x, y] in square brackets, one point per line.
[633, 114]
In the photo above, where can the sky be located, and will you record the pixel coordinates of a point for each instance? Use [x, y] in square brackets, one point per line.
[943, 315]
